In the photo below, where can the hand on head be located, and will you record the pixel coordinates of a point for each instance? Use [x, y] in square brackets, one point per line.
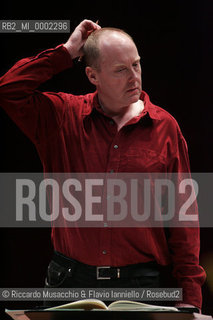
[77, 39]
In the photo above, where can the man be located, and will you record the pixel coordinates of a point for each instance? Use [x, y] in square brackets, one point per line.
[116, 129]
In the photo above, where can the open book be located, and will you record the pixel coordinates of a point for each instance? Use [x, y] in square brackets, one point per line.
[87, 309]
[120, 305]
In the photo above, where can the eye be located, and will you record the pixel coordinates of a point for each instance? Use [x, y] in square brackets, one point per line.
[121, 69]
[136, 64]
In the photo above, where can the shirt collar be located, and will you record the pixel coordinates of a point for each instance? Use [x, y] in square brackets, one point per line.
[149, 107]
[93, 104]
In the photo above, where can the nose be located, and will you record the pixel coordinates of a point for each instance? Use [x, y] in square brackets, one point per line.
[133, 75]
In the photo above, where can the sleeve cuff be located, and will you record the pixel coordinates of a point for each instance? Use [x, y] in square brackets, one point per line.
[59, 58]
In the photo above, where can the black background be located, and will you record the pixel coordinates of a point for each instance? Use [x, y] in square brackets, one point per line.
[174, 39]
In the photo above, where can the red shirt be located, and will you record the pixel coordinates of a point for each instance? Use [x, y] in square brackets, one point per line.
[72, 134]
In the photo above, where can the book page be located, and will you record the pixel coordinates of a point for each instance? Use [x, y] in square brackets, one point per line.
[133, 305]
[86, 304]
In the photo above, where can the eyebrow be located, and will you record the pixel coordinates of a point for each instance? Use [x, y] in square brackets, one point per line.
[122, 64]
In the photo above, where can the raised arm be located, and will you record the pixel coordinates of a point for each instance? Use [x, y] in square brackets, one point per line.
[30, 108]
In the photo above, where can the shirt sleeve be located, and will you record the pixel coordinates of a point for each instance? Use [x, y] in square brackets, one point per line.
[183, 241]
[29, 108]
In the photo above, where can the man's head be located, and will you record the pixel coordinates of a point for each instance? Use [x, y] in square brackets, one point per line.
[113, 66]
[91, 48]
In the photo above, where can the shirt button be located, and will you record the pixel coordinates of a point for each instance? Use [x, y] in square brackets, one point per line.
[111, 122]
[104, 252]
[115, 146]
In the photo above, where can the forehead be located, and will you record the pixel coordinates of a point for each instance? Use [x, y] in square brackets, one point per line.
[117, 48]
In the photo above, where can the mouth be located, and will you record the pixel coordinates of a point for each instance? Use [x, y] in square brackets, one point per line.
[133, 90]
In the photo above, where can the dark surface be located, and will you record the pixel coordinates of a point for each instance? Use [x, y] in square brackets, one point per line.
[105, 314]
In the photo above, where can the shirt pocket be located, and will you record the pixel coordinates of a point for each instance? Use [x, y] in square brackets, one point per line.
[142, 160]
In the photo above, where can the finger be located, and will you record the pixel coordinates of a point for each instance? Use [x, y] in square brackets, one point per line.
[96, 27]
[89, 25]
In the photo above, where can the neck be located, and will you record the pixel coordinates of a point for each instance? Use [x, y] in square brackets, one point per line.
[122, 115]
[114, 110]
[119, 111]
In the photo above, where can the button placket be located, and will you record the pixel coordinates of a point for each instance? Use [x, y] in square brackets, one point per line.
[114, 155]
[112, 167]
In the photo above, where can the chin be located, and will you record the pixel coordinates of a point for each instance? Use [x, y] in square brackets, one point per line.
[134, 98]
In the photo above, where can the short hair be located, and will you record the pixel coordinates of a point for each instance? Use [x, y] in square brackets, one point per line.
[91, 48]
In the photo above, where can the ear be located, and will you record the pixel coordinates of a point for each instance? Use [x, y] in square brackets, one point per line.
[92, 75]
